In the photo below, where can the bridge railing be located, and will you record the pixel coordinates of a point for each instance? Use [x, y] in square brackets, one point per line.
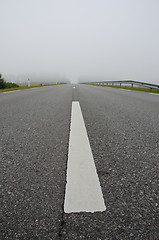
[131, 82]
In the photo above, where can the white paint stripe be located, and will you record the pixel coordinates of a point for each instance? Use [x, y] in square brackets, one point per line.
[12, 91]
[83, 191]
[125, 89]
[154, 94]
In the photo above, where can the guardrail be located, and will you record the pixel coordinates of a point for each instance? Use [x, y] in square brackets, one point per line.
[131, 82]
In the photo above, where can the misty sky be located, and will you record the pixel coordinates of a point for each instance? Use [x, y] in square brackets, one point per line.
[108, 39]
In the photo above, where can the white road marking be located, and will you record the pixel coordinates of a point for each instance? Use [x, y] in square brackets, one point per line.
[125, 89]
[83, 190]
[74, 87]
[154, 94]
[11, 91]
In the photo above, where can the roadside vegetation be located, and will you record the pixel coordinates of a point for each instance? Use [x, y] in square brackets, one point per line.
[7, 85]
[21, 87]
[129, 88]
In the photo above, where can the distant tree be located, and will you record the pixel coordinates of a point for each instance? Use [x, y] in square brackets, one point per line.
[4, 84]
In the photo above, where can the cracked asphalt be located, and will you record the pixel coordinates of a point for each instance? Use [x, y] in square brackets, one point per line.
[123, 129]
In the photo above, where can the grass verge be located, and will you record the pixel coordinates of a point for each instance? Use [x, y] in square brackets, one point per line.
[21, 87]
[130, 88]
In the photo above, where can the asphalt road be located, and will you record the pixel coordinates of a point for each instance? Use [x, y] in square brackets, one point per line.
[123, 130]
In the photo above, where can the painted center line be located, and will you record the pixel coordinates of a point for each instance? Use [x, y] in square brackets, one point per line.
[83, 190]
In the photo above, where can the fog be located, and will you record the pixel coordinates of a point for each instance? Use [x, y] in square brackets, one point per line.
[79, 39]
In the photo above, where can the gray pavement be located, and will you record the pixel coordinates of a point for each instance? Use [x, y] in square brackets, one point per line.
[123, 129]
[34, 138]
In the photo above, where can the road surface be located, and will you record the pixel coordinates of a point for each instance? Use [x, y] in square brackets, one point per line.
[123, 132]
